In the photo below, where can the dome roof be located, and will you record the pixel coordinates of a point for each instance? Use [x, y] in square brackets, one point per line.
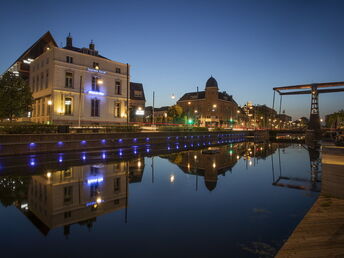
[210, 185]
[211, 82]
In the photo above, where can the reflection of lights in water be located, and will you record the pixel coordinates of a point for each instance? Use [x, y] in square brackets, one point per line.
[250, 162]
[48, 174]
[172, 178]
[32, 162]
[139, 164]
[214, 165]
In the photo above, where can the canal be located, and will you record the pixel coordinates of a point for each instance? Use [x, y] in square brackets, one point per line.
[236, 199]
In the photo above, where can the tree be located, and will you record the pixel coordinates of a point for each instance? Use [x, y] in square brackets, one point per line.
[175, 113]
[15, 97]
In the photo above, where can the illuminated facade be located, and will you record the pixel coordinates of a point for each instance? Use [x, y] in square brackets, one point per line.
[74, 86]
[210, 107]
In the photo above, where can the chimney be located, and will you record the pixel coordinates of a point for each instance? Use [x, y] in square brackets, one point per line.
[91, 45]
[69, 41]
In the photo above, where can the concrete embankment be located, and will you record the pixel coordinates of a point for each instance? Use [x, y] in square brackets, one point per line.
[321, 232]
[19, 144]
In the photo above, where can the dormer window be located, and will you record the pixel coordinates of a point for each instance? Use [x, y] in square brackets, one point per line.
[96, 65]
[69, 59]
[118, 70]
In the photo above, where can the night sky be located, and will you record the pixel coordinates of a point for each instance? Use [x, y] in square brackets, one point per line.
[174, 46]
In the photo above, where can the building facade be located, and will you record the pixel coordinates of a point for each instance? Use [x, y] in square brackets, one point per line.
[137, 102]
[78, 86]
[209, 107]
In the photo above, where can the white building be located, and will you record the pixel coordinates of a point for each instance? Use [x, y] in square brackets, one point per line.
[73, 85]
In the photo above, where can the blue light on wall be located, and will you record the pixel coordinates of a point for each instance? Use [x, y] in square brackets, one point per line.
[60, 143]
[120, 140]
[83, 142]
[135, 139]
[83, 156]
[147, 150]
[95, 180]
[104, 156]
[103, 141]
[95, 93]
[32, 144]
[120, 153]
[147, 139]
[60, 158]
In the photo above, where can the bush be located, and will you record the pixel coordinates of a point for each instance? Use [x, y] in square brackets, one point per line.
[26, 128]
[182, 129]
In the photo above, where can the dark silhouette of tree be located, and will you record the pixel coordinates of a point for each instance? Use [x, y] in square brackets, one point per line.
[15, 97]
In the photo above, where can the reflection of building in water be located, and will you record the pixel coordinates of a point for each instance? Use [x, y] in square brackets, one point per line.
[219, 160]
[79, 194]
[209, 165]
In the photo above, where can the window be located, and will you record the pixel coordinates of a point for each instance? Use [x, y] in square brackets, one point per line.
[48, 60]
[137, 93]
[117, 184]
[69, 80]
[42, 76]
[67, 214]
[68, 106]
[38, 107]
[116, 202]
[118, 70]
[118, 88]
[95, 107]
[46, 78]
[67, 173]
[94, 189]
[96, 65]
[43, 106]
[95, 83]
[37, 83]
[69, 59]
[94, 171]
[117, 109]
[33, 84]
[68, 194]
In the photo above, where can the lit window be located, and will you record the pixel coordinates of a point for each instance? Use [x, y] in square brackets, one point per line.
[68, 106]
[117, 110]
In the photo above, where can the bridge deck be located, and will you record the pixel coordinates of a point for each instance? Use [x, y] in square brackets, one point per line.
[321, 232]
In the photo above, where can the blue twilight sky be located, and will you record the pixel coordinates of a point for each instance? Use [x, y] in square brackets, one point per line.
[174, 46]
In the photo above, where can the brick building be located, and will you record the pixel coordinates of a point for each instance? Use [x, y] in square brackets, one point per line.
[209, 107]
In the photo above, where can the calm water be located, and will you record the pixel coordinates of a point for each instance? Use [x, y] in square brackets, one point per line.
[242, 201]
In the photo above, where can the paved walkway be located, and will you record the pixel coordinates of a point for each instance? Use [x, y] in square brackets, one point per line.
[321, 232]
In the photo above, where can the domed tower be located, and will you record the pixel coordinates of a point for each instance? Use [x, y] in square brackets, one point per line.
[211, 89]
